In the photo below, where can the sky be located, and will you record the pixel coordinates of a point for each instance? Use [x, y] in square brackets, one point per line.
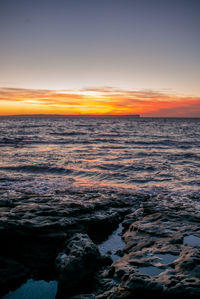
[100, 57]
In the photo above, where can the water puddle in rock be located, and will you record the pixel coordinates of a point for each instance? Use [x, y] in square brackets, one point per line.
[166, 258]
[150, 270]
[112, 244]
[191, 240]
[34, 289]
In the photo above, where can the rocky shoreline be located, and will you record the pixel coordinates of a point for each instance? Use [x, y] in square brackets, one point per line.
[55, 237]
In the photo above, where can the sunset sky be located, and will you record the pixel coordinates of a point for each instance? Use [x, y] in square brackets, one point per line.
[100, 57]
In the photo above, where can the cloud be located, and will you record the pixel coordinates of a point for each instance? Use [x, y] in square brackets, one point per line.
[103, 100]
[189, 110]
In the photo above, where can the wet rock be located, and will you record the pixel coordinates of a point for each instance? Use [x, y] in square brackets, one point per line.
[37, 225]
[55, 215]
[159, 258]
[76, 264]
[189, 262]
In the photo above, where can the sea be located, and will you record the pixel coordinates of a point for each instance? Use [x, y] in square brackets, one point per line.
[51, 154]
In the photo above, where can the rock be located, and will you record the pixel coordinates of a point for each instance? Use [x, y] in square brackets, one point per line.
[55, 215]
[76, 264]
[161, 257]
[189, 262]
[156, 260]
[36, 226]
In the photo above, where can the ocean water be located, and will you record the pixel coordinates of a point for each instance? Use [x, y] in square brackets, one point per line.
[52, 154]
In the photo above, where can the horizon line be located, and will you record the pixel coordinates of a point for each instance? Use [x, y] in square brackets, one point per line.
[93, 115]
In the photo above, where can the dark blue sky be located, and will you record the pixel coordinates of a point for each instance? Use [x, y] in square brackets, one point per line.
[71, 44]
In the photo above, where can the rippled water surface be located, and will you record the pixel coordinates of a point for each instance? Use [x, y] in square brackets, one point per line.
[46, 154]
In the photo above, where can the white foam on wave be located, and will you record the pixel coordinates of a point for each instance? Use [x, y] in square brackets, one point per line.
[40, 185]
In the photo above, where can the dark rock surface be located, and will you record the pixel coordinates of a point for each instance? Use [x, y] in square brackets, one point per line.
[155, 259]
[54, 216]
[36, 226]
[162, 236]
[76, 264]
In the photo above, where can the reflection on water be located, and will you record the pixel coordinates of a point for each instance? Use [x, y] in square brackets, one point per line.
[191, 240]
[166, 258]
[112, 244]
[53, 153]
[150, 270]
[33, 289]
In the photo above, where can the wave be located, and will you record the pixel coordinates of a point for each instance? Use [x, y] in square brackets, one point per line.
[125, 168]
[167, 142]
[183, 156]
[37, 169]
[69, 133]
[145, 153]
[7, 140]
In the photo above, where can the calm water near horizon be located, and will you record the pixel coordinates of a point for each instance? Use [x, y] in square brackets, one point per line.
[46, 155]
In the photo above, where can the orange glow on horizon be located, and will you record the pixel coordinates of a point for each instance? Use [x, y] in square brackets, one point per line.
[100, 101]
